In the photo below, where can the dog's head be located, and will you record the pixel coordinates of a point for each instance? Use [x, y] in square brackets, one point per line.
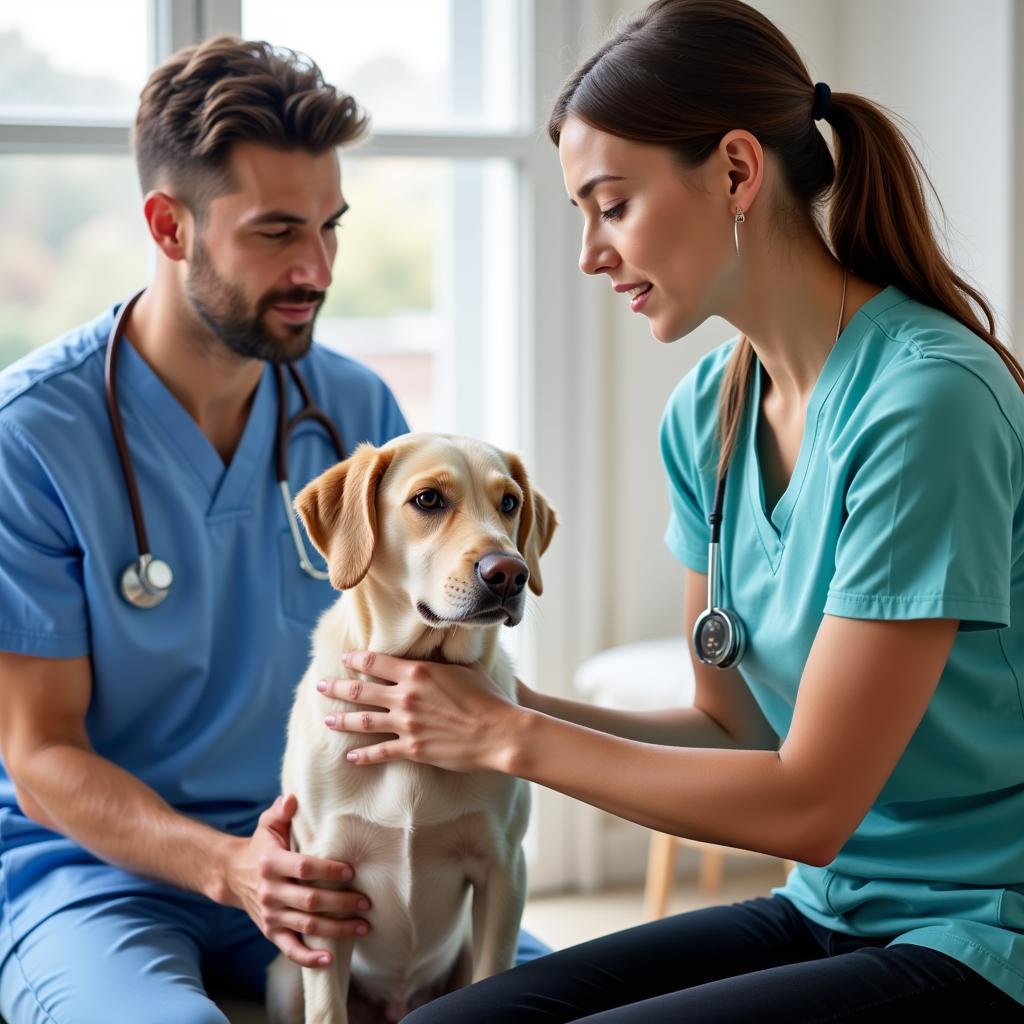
[448, 523]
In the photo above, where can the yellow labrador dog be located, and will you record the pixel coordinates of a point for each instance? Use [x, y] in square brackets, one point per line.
[434, 540]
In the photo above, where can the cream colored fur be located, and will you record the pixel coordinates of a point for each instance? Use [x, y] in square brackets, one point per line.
[438, 853]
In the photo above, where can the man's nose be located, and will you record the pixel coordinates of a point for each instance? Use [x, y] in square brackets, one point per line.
[503, 574]
[314, 269]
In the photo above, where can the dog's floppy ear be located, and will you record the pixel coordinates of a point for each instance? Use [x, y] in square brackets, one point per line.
[339, 511]
[537, 522]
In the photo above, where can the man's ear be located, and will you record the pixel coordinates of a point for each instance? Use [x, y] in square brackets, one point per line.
[339, 512]
[537, 522]
[167, 218]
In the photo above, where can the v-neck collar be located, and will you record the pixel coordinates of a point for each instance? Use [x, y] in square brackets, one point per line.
[228, 486]
[772, 529]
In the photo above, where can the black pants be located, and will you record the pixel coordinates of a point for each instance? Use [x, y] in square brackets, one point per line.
[759, 960]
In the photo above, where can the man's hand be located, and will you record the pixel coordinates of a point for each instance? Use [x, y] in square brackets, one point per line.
[278, 888]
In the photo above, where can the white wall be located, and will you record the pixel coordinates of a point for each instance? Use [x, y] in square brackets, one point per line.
[944, 65]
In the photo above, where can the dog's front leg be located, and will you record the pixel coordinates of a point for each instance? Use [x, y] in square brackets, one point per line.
[325, 989]
[498, 900]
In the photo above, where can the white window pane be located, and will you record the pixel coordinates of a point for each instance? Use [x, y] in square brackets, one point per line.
[67, 58]
[72, 241]
[424, 288]
[413, 64]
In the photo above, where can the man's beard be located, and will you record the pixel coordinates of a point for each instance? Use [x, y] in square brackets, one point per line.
[224, 310]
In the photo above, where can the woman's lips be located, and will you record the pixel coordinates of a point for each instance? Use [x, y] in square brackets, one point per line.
[639, 300]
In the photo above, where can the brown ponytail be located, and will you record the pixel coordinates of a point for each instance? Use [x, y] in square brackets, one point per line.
[682, 73]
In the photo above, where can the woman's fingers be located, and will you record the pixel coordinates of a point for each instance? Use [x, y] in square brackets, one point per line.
[357, 691]
[378, 753]
[361, 721]
[383, 666]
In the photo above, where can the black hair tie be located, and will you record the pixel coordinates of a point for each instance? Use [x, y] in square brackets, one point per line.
[822, 102]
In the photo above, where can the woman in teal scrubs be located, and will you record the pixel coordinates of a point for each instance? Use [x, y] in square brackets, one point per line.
[870, 431]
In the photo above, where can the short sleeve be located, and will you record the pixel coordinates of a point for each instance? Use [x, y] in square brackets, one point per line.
[930, 506]
[392, 420]
[688, 533]
[42, 601]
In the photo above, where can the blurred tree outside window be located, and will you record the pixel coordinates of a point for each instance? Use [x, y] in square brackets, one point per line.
[72, 238]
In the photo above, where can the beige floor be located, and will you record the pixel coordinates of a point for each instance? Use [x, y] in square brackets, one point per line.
[564, 920]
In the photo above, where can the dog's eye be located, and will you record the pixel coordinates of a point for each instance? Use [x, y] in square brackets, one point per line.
[429, 500]
[509, 504]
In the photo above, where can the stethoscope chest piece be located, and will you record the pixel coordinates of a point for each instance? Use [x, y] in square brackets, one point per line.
[146, 581]
[718, 637]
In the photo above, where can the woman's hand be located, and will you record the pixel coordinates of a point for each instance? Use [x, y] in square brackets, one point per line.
[450, 716]
[277, 888]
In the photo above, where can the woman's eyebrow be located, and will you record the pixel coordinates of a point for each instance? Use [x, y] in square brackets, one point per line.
[589, 186]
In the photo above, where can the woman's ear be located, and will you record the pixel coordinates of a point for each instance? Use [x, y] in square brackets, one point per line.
[339, 512]
[537, 522]
[743, 160]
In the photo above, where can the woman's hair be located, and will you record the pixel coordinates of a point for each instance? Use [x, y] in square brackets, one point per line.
[682, 73]
[205, 98]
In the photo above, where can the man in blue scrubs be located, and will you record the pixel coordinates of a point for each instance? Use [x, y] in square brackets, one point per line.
[143, 852]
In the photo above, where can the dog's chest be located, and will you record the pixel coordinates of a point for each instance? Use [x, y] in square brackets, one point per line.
[407, 795]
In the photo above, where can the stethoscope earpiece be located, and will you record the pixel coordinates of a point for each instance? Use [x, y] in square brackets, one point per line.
[146, 582]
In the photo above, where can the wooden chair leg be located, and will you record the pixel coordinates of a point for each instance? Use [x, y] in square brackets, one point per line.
[712, 868]
[661, 862]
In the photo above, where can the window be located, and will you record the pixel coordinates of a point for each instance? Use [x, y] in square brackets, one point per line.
[68, 72]
[72, 238]
[422, 283]
[416, 65]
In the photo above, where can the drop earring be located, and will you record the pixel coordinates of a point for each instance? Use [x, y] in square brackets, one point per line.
[740, 218]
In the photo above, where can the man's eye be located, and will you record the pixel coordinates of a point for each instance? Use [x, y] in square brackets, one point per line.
[429, 500]
[613, 212]
[509, 504]
[276, 234]
[332, 225]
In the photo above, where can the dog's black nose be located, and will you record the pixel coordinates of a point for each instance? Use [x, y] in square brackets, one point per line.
[503, 574]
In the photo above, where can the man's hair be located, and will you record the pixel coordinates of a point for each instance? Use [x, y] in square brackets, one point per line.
[203, 99]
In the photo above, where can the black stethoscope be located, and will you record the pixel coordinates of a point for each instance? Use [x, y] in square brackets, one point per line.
[719, 638]
[146, 581]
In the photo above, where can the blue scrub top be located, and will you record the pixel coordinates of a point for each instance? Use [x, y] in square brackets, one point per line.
[905, 503]
[191, 696]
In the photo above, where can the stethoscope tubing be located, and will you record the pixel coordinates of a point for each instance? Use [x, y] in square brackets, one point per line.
[135, 581]
[117, 425]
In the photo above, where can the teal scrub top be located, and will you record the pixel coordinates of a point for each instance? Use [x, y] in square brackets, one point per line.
[905, 503]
